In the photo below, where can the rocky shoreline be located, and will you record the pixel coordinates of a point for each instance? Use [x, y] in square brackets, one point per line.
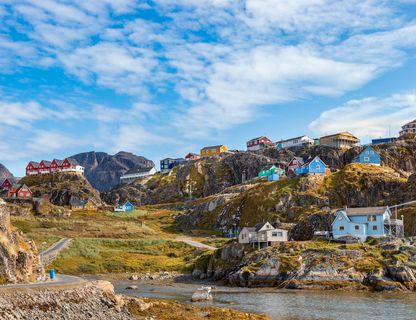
[381, 265]
[97, 300]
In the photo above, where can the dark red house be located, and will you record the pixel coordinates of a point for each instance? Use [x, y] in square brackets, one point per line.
[20, 192]
[44, 167]
[259, 143]
[32, 168]
[56, 165]
[6, 184]
[295, 163]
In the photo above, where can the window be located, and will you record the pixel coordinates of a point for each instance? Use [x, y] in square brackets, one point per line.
[341, 228]
[372, 218]
[374, 228]
[274, 234]
[357, 227]
[280, 234]
[366, 159]
[317, 167]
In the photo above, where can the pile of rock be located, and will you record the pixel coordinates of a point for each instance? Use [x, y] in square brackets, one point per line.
[202, 294]
[163, 275]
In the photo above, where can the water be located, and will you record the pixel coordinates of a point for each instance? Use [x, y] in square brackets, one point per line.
[290, 304]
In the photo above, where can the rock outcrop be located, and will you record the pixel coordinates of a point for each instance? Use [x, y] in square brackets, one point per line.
[5, 173]
[62, 187]
[103, 170]
[380, 264]
[19, 260]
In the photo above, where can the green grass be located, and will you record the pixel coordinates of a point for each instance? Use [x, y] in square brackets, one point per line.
[127, 215]
[92, 256]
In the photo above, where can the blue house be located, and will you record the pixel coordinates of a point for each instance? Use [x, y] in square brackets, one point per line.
[368, 156]
[383, 140]
[127, 207]
[169, 163]
[360, 223]
[314, 166]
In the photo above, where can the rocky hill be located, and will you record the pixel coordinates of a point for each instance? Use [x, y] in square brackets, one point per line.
[103, 170]
[19, 261]
[294, 200]
[5, 173]
[380, 264]
[209, 176]
[62, 187]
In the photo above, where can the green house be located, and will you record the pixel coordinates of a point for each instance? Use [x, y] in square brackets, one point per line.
[268, 171]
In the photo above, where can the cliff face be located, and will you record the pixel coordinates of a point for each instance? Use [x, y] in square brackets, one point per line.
[103, 171]
[62, 187]
[19, 261]
[384, 264]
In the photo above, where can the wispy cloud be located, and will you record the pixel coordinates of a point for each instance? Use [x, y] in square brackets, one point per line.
[368, 117]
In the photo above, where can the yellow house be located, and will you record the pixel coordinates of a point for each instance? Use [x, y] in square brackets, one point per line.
[90, 206]
[208, 151]
[342, 140]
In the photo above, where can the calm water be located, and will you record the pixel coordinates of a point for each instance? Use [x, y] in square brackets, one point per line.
[291, 305]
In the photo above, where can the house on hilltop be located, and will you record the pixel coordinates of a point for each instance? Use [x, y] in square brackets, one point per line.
[409, 127]
[192, 156]
[56, 165]
[262, 235]
[6, 185]
[168, 164]
[314, 166]
[295, 163]
[368, 156]
[295, 142]
[20, 191]
[342, 140]
[126, 207]
[212, 150]
[44, 167]
[360, 223]
[68, 165]
[133, 174]
[72, 165]
[259, 143]
[32, 168]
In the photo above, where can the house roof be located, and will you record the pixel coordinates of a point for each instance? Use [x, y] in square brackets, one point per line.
[258, 138]
[59, 162]
[367, 211]
[307, 163]
[285, 140]
[345, 133]
[192, 154]
[72, 161]
[34, 164]
[211, 147]
[139, 170]
[46, 162]
[77, 202]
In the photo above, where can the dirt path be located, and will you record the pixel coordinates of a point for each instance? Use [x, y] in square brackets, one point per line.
[61, 280]
[195, 244]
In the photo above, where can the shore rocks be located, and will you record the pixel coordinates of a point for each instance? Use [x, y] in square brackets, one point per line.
[202, 294]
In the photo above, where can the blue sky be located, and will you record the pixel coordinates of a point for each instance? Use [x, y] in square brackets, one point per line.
[166, 77]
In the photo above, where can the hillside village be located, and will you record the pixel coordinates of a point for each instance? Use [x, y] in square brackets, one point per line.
[297, 193]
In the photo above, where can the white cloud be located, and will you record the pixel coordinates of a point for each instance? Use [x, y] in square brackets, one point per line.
[368, 117]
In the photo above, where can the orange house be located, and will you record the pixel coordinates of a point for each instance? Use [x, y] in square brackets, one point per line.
[209, 151]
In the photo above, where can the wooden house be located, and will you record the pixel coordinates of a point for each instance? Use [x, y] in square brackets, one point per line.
[168, 164]
[71, 165]
[259, 143]
[44, 167]
[368, 156]
[409, 127]
[32, 168]
[294, 142]
[77, 204]
[272, 173]
[342, 140]
[90, 206]
[295, 163]
[56, 165]
[314, 166]
[192, 156]
[126, 207]
[6, 185]
[209, 151]
[262, 235]
[360, 223]
[20, 191]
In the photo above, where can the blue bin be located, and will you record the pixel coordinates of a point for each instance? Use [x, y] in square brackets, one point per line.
[52, 274]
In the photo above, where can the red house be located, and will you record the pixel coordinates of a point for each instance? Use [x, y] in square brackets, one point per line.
[44, 167]
[32, 168]
[20, 192]
[6, 184]
[56, 165]
[192, 156]
[259, 143]
[295, 163]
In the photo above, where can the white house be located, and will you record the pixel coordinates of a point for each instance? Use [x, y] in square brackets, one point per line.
[262, 235]
[294, 142]
[134, 174]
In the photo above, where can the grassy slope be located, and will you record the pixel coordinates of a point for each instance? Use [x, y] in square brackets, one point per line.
[112, 242]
